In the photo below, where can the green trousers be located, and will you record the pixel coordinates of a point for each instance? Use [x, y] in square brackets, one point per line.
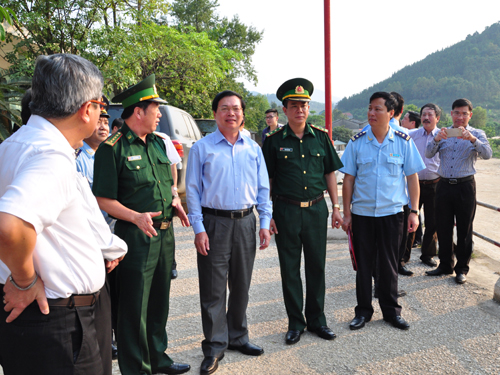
[302, 229]
[144, 291]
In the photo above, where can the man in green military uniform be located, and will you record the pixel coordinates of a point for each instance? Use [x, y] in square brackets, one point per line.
[132, 183]
[301, 162]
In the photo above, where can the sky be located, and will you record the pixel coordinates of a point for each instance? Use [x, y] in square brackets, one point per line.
[369, 42]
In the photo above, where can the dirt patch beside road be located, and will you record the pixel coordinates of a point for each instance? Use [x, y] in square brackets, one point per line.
[485, 265]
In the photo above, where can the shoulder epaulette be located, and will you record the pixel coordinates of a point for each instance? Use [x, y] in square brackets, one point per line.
[159, 135]
[356, 136]
[111, 141]
[318, 128]
[405, 136]
[275, 131]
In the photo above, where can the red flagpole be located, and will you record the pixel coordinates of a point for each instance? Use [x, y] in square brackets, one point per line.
[328, 72]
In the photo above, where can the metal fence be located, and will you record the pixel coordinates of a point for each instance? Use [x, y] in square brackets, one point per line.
[480, 235]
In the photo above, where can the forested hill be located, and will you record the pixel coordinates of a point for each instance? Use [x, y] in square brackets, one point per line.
[470, 69]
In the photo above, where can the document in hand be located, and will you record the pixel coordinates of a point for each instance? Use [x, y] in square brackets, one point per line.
[351, 251]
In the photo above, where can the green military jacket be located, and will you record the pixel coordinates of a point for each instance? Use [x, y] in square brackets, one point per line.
[135, 173]
[297, 166]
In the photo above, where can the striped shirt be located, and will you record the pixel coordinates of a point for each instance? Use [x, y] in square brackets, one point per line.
[422, 139]
[458, 156]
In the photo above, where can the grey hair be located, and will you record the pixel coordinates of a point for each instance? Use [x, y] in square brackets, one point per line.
[62, 83]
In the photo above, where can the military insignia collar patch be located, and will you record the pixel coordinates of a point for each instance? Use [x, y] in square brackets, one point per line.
[357, 136]
[405, 136]
[277, 130]
[113, 139]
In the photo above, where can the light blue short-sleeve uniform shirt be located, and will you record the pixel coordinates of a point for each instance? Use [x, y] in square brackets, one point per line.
[379, 171]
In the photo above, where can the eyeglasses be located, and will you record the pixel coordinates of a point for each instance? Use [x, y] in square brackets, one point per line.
[269, 117]
[226, 109]
[461, 114]
[102, 104]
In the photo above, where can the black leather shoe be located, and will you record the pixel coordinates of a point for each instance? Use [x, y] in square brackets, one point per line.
[248, 349]
[460, 278]
[174, 368]
[293, 336]
[438, 272]
[398, 322]
[358, 322]
[429, 261]
[324, 332]
[210, 364]
[174, 274]
[114, 352]
[402, 270]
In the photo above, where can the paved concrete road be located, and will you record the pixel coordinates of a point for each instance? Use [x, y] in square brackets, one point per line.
[455, 329]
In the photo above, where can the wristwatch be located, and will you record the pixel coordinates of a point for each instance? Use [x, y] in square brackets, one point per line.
[414, 212]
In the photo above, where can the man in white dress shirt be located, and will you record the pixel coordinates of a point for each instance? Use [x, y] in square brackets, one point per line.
[52, 242]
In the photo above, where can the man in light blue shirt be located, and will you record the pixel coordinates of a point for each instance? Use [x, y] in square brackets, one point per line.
[398, 111]
[226, 177]
[86, 153]
[375, 165]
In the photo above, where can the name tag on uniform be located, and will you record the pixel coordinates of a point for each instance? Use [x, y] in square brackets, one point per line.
[394, 155]
[285, 149]
[136, 157]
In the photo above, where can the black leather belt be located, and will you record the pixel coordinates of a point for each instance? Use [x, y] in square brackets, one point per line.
[75, 300]
[301, 204]
[428, 182]
[161, 224]
[234, 214]
[454, 181]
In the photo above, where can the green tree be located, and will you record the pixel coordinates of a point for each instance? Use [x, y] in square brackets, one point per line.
[229, 33]
[189, 67]
[9, 91]
[445, 120]
[479, 118]
[197, 13]
[256, 105]
[338, 115]
[341, 133]
[7, 15]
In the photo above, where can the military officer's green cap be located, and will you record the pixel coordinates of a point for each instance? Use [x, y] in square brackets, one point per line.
[104, 113]
[143, 91]
[299, 89]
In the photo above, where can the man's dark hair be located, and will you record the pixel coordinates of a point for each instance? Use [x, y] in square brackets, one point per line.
[222, 95]
[118, 122]
[414, 116]
[399, 108]
[390, 102]
[25, 107]
[272, 110]
[462, 103]
[127, 112]
[436, 109]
